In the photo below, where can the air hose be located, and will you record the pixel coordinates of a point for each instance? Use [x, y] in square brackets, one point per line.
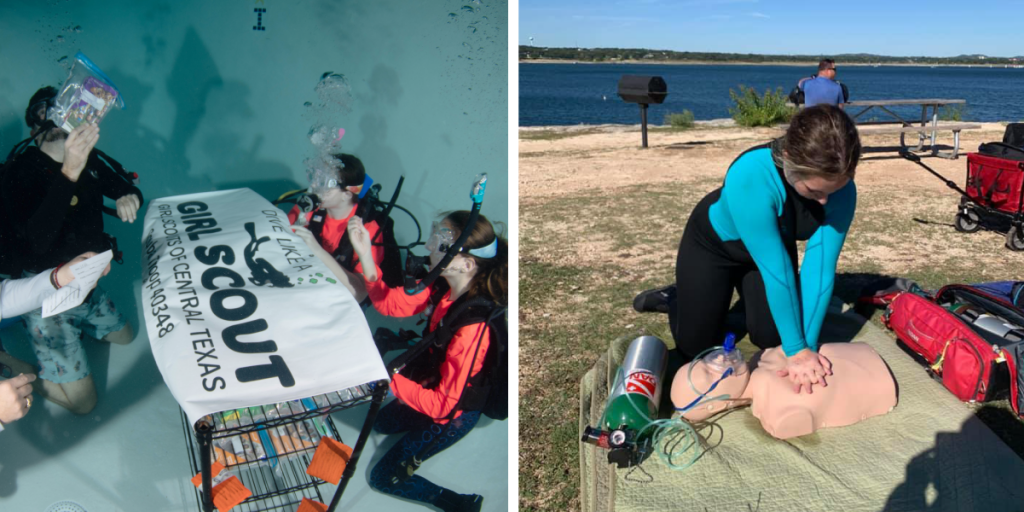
[676, 431]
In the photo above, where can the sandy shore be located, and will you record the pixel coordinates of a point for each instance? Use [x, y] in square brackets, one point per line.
[596, 160]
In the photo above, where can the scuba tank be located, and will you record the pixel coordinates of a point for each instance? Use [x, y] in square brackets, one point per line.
[632, 403]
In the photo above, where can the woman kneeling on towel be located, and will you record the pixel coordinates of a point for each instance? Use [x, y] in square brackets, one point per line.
[743, 236]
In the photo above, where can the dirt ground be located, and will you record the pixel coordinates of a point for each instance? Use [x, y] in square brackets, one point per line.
[602, 159]
[600, 220]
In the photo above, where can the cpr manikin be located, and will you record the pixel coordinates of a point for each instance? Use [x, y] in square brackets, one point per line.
[860, 387]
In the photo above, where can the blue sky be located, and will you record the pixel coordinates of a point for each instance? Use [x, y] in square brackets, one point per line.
[894, 27]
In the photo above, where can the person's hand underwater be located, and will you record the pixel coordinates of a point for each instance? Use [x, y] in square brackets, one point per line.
[805, 369]
[127, 206]
[13, 397]
[359, 236]
[65, 276]
[77, 147]
[307, 236]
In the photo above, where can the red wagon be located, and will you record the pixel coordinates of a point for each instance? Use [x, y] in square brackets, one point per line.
[994, 197]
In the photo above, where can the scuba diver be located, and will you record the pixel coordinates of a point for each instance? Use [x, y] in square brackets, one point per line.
[337, 182]
[52, 205]
[743, 236]
[440, 391]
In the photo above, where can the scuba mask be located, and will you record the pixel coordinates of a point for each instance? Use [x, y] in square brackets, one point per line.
[323, 174]
[47, 105]
[441, 238]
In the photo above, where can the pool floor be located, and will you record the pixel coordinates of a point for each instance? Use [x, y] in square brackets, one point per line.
[129, 453]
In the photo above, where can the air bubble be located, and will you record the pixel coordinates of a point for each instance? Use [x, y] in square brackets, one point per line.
[334, 91]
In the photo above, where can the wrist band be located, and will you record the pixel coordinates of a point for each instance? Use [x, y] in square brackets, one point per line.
[53, 277]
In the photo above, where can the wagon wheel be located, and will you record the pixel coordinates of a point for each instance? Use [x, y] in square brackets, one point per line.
[967, 221]
[1015, 238]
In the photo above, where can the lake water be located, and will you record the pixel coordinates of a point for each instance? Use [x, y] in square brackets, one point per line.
[567, 94]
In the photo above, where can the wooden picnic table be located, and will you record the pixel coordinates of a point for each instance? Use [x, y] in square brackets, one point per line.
[926, 127]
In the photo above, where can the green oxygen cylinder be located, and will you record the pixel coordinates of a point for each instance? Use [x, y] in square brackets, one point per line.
[633, 403]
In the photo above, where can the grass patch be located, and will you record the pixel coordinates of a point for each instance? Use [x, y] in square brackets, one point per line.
[583, 258]
[680, 121]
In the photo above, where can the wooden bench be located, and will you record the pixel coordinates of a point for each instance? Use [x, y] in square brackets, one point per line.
[922, 131]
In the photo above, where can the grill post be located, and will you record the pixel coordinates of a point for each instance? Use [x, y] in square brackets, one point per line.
[642, 90]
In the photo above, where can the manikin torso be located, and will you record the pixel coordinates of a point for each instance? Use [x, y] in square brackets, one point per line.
[860, 387]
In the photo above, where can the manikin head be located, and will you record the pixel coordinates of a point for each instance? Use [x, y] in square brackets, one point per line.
[860, 387]
[820, 152]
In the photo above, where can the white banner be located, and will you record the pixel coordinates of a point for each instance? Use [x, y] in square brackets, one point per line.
[238, 311]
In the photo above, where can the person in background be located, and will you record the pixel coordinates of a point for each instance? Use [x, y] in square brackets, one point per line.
[52, 206]
[823, 88]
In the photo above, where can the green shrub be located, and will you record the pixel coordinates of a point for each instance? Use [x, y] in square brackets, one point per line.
[955, 112]
[683, 119]
[754, 110]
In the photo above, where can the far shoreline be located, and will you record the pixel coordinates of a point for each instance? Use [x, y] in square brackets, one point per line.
[769, 63]
[725, 122]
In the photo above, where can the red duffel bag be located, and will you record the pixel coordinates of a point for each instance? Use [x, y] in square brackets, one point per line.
[968, 336]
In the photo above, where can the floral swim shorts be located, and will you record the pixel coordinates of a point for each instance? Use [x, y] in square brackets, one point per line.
[57, 340]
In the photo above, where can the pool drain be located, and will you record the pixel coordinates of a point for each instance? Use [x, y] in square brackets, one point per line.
[66, 506]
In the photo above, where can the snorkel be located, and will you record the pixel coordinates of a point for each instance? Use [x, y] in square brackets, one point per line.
[476, 193]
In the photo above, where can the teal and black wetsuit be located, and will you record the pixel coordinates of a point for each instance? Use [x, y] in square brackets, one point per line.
[743, 236]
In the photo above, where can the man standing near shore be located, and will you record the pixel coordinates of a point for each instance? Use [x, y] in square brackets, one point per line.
[823, 88]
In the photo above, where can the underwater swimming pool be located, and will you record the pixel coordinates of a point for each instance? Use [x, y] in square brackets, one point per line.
[222, 95]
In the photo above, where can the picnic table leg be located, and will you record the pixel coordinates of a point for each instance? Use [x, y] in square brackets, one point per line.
[935, 124]
[924, 122]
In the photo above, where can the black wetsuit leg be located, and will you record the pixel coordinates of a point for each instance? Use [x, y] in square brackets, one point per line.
[705, 279]
[420, 429]
[707, 272]
[760, 324]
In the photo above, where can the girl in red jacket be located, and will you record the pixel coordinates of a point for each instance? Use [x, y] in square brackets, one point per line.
[338, 180]
[429, 400]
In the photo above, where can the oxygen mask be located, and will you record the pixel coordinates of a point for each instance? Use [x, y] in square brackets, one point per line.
[722, 359]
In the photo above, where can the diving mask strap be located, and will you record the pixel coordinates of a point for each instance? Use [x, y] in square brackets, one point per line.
[486, 252]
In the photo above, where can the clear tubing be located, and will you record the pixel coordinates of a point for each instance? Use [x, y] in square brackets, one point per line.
[667, 430]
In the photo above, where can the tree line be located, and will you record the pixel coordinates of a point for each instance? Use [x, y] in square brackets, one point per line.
[641, 54]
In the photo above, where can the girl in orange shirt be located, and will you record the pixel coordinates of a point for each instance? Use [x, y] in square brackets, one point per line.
[430, 387]
[338, 190]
